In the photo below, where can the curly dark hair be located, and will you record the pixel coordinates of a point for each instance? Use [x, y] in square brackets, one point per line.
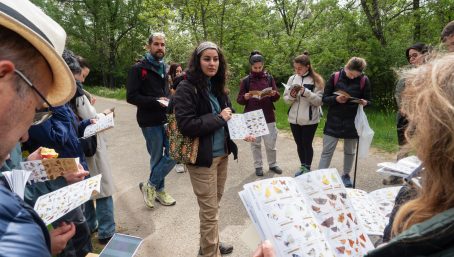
[196, 76]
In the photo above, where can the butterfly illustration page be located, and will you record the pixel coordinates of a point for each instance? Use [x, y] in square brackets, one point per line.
[50, 169]
[54, 205]
[103, 123]
[324, 191]
[250, 123]
[281, 215]
[373, 208]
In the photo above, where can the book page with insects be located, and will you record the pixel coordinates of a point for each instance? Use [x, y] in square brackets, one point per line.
[256, 123]
[324, 192]
[282, 216]
[54, 205]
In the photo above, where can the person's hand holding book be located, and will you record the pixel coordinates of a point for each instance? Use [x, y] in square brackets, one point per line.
[265, 249]
[74, 177]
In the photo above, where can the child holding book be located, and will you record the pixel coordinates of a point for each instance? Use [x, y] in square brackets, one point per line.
[304, 94]
[258, 91]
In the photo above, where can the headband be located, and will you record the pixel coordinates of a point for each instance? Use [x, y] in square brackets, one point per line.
[206, 45]
[256, 58]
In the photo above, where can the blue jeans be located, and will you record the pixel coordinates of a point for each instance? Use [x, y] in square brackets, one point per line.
[158, 148]
[101, 217]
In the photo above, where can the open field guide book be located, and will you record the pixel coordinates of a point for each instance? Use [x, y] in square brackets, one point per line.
[310, 215]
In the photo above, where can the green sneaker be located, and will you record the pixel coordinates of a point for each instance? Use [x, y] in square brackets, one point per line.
[164, 198]
[148, 193]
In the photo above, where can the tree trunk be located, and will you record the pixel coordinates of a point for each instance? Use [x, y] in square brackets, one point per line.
[374, 19]
[417, 16]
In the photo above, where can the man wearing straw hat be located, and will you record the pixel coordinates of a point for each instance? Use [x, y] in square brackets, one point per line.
[33, 77]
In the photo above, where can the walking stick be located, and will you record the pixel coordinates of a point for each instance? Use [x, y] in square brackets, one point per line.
[356, 163]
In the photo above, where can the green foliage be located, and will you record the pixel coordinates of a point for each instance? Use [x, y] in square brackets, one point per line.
[111, 33]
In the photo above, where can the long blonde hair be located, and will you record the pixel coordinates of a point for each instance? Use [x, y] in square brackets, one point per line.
[428, 103]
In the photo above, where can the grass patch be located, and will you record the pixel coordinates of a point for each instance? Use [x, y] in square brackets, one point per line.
[383, 122]
[116, 93]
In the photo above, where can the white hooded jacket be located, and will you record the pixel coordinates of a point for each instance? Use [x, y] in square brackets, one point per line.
[306, 108]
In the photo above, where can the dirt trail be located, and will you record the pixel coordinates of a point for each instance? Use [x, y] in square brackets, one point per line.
[174, 231]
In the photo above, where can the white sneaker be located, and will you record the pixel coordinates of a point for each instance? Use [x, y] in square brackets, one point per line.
[180, 168]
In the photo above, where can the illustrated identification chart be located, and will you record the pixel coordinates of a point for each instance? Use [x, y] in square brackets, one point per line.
[250, 123]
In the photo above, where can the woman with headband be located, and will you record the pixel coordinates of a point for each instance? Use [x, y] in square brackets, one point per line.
[202, 109]
[258, 80]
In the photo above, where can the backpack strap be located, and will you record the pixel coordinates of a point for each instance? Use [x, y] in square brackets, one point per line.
[362, 82]
[336, 78]
[144, 73]
[246, 83]
[270, 80]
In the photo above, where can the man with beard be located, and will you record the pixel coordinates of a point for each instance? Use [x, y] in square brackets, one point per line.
[147, 89]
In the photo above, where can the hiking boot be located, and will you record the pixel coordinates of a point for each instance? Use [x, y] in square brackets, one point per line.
[301, 171]
[276, 170]
[346, 180]
[164, 198]
[223, 248]
[259, 172]
[393, 180]
[148, 193]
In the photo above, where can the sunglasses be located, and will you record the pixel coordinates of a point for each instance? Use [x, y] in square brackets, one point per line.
[40, 116]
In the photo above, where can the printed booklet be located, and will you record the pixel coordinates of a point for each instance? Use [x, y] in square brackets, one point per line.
[295, 87]
[249, 123]
[310, 215]
[374, 208]
[403, 168]
[262, 93]
[101, 124]
[55, 204]
[50, 169]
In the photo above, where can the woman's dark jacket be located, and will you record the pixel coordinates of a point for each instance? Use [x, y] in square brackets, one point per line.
[195, 118]
[340, 122]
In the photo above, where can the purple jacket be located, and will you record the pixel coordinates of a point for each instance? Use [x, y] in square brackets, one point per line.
[259, 81]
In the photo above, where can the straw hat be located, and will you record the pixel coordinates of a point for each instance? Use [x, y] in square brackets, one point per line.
[27, 20]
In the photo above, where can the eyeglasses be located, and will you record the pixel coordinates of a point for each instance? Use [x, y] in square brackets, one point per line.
[40, 116]
[413, 55]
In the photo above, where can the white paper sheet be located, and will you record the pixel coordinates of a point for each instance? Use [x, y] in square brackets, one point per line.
[17, 179]
[250, 123]
[101, 124]
[54, 205]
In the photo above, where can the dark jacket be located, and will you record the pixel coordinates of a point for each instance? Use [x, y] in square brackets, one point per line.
[59, 133]
[22, 232]
[195, 119]
[259, 81]
[431, 238]
[340, 121]
[144, 87]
